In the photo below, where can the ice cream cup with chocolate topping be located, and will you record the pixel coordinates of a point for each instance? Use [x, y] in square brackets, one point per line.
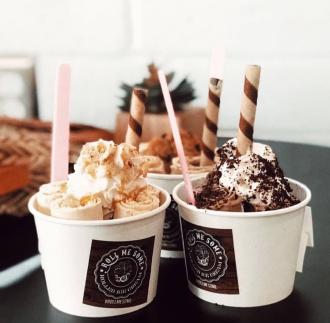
[100, 268]
[244, 259]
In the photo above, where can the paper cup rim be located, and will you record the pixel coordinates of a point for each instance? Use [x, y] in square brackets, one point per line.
[286, 210]
[133, 218]
[173, 177]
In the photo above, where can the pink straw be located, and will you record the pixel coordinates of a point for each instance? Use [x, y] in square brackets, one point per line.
[61, 125]
[177, 138]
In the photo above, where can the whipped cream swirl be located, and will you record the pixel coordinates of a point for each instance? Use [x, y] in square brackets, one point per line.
[108, 170]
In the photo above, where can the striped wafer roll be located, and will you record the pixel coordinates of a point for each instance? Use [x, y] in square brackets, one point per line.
[135, 122]
[248, 109]
[209, 139]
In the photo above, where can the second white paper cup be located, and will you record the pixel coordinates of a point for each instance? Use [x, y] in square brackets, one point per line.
[239, 259]
[172, 241]
[101, 268]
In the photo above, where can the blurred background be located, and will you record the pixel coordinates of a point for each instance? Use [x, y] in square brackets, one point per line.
[110, 42]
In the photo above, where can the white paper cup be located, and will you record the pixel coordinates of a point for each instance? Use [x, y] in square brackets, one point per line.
[101, 268]
[172, 241]
[243, 260]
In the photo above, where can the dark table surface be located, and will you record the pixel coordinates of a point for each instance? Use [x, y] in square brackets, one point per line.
[27, 300]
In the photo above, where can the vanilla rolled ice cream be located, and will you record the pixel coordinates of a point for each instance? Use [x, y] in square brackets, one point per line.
[145, 200]
[71, 208]
[194, 165]
[48, 193]
[108, 181]
[250, 182]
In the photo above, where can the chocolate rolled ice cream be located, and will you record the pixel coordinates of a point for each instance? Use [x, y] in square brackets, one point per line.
[250, 182]
[108, 182]
[164, 149]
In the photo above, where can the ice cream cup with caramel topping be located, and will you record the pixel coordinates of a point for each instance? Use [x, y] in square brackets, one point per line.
[244, 259]
[100, 232]
[100, 268]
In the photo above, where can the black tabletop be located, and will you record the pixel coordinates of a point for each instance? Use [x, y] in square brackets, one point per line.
[27, 300]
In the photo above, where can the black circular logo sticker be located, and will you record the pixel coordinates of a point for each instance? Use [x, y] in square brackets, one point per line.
[206, 256]
[120, 272]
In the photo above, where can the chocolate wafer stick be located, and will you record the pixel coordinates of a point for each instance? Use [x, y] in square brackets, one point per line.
[248, 109]
[209, 139]
[135, 122]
